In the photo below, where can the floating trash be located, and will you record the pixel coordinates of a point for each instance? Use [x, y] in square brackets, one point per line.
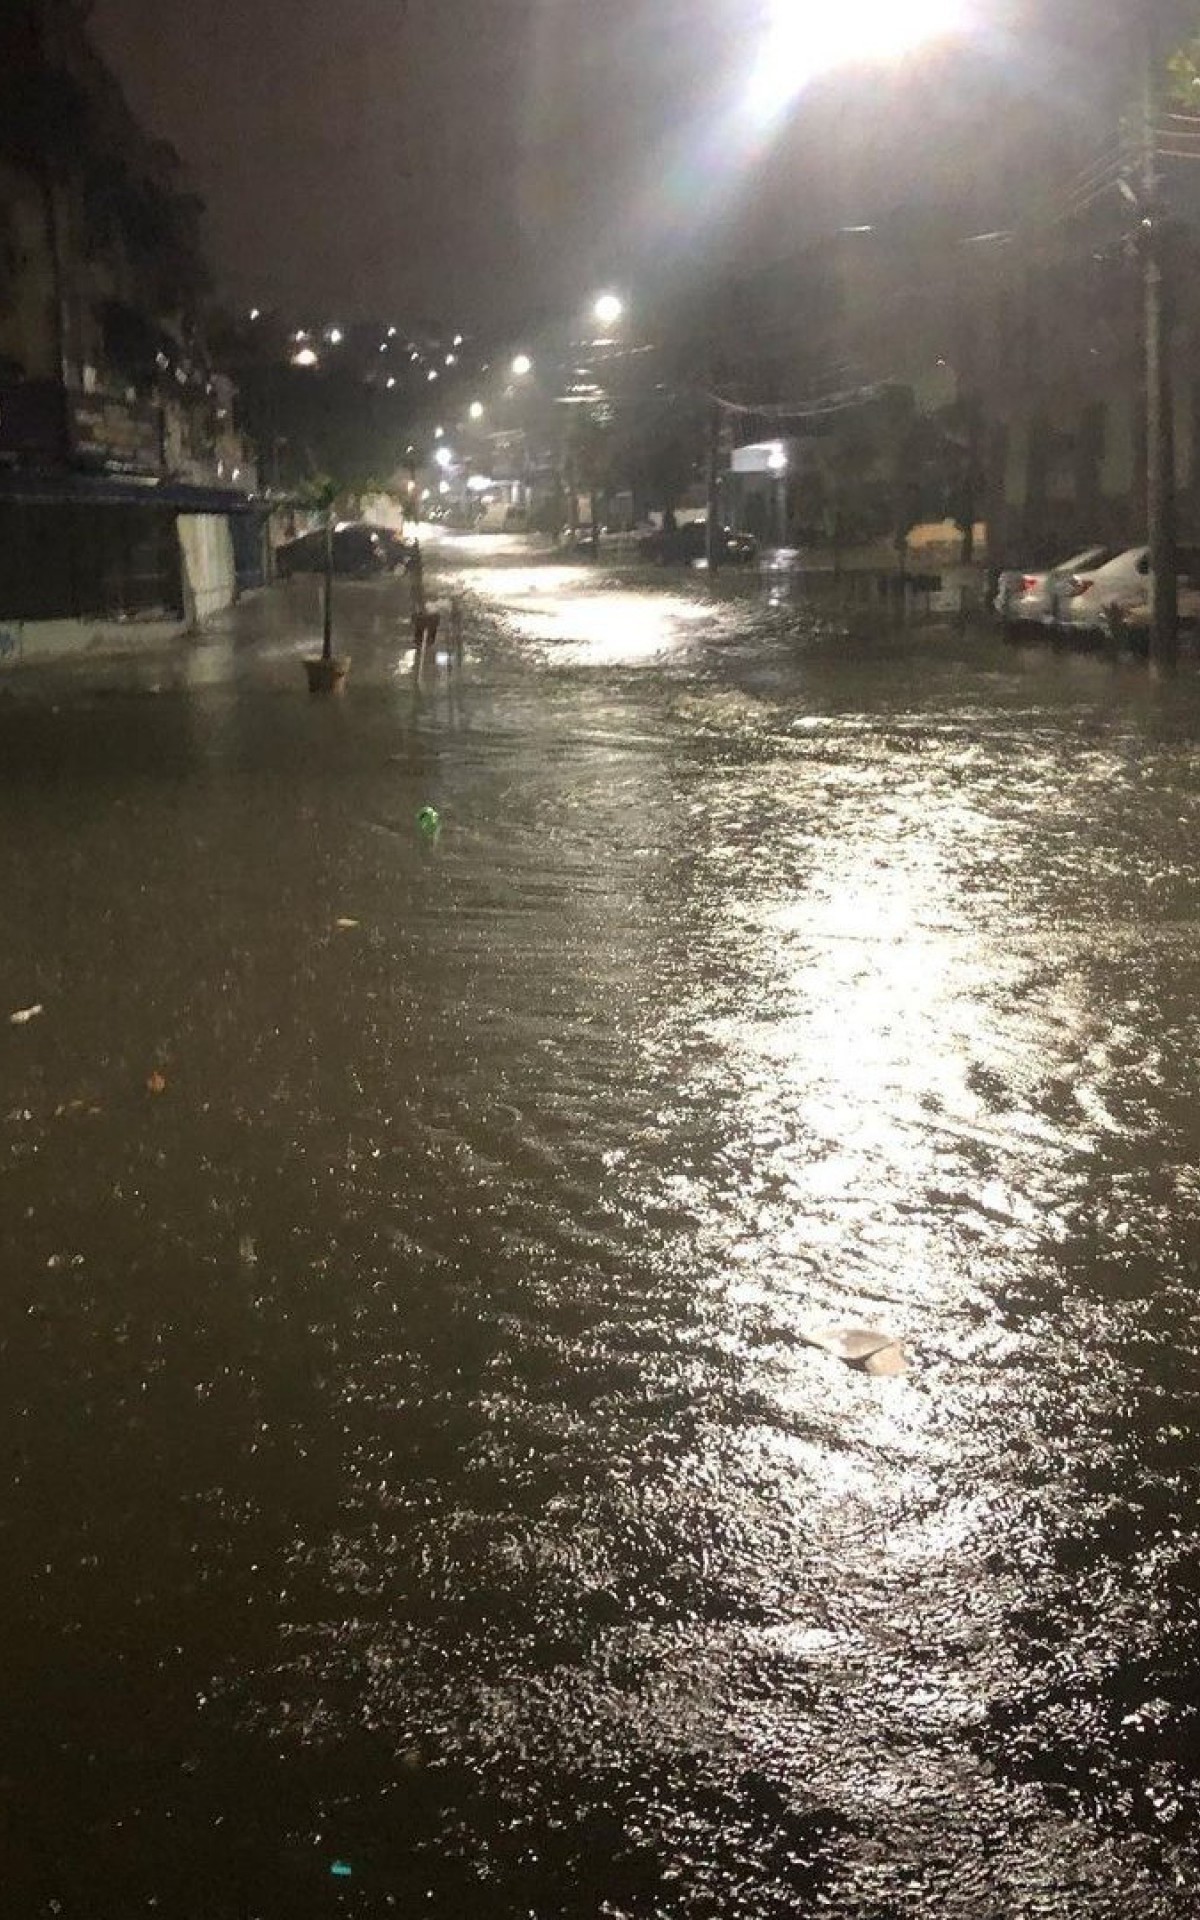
[429, 820]
[864, 1348]
[24, 1015]
[341, 1869]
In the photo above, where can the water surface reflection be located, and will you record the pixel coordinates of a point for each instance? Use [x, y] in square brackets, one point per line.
[417, 1457]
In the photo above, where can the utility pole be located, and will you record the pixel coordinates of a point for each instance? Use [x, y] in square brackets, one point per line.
[1160, 414]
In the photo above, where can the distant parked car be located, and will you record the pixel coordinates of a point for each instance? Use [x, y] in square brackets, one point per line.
[690, 542]
[1030, 598]
[360, 551]
[1122, 587]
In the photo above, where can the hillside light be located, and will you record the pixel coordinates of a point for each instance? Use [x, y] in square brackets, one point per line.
[522, 365]
[476, 409]
[444, 458]
[335, 336]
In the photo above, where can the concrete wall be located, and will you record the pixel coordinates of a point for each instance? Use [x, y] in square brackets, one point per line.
[25, 642]
[209, 576]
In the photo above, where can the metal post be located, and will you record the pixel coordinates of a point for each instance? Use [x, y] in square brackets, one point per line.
[712, 538]
[1160, 417]
[327, 636]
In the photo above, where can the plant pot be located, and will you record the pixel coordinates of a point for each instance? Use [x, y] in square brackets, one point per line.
[326, 676]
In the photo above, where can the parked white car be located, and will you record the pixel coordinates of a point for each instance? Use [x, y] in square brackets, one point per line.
[1088, 596]
[1124, 587]
[1030, 599]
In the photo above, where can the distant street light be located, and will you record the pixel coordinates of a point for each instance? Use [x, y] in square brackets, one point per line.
[522, 365]
[476, 409]
[608, 309]
[335, 336]
[255, 313]
[304, 357]
[444, 457]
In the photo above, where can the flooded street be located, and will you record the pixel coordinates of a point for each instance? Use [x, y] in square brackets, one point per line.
[411, 1243]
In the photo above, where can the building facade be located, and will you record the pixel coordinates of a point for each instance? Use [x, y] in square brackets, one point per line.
[115, 432]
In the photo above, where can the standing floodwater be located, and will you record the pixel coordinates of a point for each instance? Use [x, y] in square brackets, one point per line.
[419, 1492]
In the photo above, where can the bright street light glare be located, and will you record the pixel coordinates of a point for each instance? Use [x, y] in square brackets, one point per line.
[476, 409]
[443, 456]
[804, 40]
[304, 357]
[522, 364]
[608, 309]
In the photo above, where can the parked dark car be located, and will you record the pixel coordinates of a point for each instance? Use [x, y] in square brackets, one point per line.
[360, 552]
[690, 542]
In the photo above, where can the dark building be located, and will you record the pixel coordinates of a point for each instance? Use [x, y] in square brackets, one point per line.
[123, 475]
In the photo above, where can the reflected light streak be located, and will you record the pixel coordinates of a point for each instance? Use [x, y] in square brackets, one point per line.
[594, 631]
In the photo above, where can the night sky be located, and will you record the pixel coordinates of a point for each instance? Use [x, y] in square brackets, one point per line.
[485, 161]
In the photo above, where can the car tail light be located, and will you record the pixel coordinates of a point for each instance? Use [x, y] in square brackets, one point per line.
[1028, 582]
[1076, 585]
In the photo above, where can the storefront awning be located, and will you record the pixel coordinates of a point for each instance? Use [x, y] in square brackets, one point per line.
[49, 489]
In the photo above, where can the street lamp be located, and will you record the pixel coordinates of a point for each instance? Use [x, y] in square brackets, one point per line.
[608, 309]
[476, 409]
[522, 365]
[804, 42]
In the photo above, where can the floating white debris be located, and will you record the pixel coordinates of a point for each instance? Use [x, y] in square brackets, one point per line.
[24, 1015]
[865, 1348]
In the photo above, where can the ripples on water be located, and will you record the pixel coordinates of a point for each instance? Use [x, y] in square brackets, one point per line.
[417, 1459]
